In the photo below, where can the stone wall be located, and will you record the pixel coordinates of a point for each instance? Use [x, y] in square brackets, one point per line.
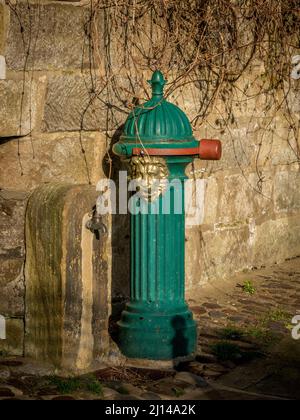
[42, 88]
[53, 128]
[251, 209]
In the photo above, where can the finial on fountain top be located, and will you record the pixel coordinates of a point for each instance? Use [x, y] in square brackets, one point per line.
[157, 83]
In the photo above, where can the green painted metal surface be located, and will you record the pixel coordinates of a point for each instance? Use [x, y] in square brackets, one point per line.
[157, 323]
[157, 123]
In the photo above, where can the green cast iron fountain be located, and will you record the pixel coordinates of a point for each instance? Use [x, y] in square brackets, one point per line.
[158, 144]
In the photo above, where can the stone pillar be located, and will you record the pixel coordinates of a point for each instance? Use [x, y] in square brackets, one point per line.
[66, 275]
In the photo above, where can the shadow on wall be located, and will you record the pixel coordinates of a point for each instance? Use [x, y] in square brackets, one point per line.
[120, 241]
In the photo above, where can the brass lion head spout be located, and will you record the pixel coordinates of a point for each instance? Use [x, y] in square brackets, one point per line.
[151, 176]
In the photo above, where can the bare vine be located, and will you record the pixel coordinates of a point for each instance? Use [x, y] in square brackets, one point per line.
[204, 47]
[204, 44]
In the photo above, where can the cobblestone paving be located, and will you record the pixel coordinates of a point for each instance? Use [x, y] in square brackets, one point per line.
[245, 351]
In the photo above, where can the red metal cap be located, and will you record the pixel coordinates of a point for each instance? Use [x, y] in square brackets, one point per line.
[210, 149]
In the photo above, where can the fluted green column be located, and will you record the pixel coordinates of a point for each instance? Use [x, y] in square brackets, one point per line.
[157, 323]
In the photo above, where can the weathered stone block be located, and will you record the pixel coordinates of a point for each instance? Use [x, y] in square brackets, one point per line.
[12, 287]
[276, 240]
[211, 200]
[276, 143]
[238, 149]
[13, 344]
[240, 198]
[20, 104]
[52, 158]
[215, 255]
[286, 191]
[72, 105]
[2, 68]
[4, 22]
[10, 269]
[293, 98]
[194, 202]
[66, 278]
[57, 31]
[284, 151]
[12, 223]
